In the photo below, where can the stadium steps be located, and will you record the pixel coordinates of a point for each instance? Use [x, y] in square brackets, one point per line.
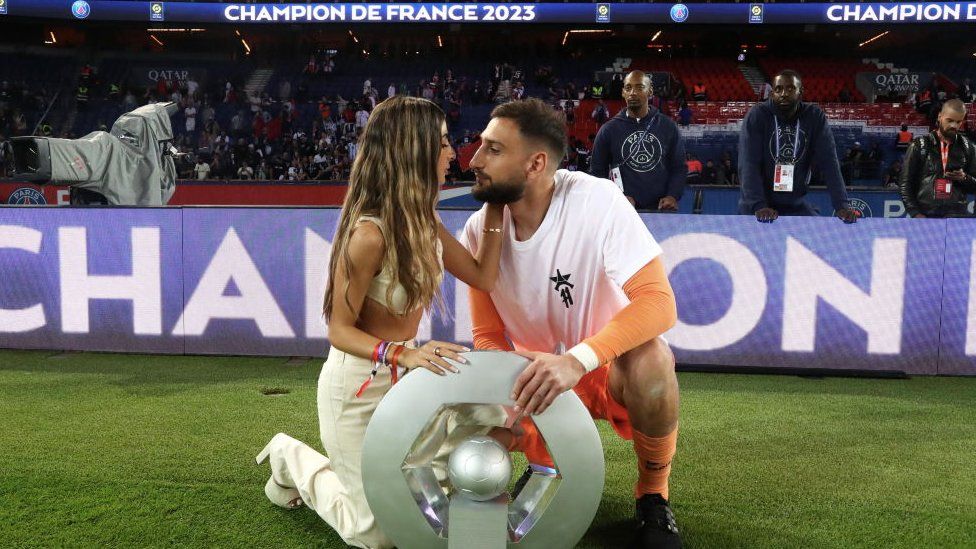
[754, 76]
[258, 81]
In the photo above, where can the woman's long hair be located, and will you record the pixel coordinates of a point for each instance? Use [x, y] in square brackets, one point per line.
[394, 177]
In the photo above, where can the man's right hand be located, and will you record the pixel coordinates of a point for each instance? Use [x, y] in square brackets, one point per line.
[766, 215]
[631, 200]
[544, 379]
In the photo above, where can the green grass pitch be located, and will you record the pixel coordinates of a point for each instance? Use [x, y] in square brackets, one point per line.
[102, 450]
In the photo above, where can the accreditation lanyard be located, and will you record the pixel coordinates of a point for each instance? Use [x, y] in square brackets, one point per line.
[945, 154]
[796, 141]
[942, 186]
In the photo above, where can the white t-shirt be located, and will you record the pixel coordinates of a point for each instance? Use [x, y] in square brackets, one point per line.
[202, 169]
[361, 117]
[565, 283]
[191, 118]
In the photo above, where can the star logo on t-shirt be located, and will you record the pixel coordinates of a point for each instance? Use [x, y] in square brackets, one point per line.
[563, 286]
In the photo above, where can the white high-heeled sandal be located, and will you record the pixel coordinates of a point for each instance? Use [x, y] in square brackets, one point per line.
[287, 498]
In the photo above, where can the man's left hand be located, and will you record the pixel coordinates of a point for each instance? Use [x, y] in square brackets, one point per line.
[847, 215]
[956, 175]
[668, 204]
[544, 379]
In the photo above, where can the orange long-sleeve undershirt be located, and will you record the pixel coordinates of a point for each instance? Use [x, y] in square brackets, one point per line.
[650, 313]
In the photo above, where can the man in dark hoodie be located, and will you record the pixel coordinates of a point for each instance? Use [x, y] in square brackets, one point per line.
[780, 140]
[641, 150]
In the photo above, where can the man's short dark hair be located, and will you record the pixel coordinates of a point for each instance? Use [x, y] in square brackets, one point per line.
[955, 105]
[537, 121]
[789, 73]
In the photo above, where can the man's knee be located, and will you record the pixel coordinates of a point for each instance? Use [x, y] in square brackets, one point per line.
[649, 360]
[647, 370]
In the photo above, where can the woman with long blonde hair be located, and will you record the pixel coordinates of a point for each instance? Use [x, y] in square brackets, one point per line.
[388, 258]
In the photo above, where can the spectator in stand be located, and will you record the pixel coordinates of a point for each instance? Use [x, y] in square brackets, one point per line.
[583, 154]
[600, 113]
[362, 115]
[391, 90]
[966, 92]
[202, 169]
[570, 109]
[923, 101]
[230, 96]
[312, 67]
[694, 169]
[893, 175]
[779, 143]
[641, 150]
[726, 174]
[871, 162]
[904, 138]
[700, 92]
[81, 97]
[685, 115]
[709, 174]
[129, 102]
[597, 89]
[190, 116]
[765, 91]
[245, 172]
[616, 87]
[5, 155]
[940, 168]
[851, 165]
[844, 96]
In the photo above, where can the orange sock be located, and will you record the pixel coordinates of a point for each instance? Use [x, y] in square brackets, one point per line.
[654, 462]
[532, 445]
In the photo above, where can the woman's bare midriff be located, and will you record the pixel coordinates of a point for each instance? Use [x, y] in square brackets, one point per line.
[375, 320]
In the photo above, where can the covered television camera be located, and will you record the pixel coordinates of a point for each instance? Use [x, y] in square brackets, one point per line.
[132, 165]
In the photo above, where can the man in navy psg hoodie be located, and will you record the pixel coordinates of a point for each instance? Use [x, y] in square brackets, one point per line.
[642, 150]
[779, 141]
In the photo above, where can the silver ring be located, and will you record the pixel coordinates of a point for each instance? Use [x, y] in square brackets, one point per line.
[437, 351]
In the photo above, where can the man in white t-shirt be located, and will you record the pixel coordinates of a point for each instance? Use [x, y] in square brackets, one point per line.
[362, 115]
[202, 169]
[583, 294]
[190, 113]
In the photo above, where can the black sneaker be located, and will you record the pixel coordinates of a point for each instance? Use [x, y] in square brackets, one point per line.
[521, 482]
[655, 524]
[524, 479]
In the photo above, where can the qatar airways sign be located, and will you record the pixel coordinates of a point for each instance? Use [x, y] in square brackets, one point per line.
[801, 292]
[886, 83]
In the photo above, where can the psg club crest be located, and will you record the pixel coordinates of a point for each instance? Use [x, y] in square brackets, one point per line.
[861, 208]
[679, 13]
[26, 196]
[641, 151]
[603, 13]
[80, 9]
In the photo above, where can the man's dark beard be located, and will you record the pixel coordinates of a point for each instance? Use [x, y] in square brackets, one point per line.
[496, 193]
[787, 111]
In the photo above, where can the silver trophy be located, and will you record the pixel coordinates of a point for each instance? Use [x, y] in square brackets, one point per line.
[433, 480]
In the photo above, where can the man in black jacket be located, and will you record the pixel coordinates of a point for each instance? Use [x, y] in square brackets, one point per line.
[940, 168]
[780, 141]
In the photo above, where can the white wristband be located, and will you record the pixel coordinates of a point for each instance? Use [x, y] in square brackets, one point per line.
[586, 355]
